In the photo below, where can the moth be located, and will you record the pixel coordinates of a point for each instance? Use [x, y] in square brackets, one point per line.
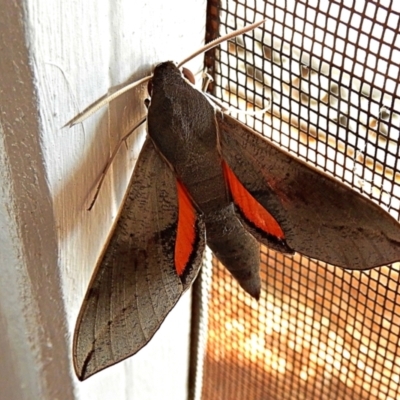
[203, 177]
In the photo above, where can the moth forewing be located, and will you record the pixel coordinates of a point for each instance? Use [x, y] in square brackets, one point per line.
[135, 285]
[321, 217]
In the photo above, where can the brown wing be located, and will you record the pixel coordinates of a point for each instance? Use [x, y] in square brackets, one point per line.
[320, 217]
[153, 255]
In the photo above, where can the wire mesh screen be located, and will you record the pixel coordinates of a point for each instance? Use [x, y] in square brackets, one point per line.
[331, 71]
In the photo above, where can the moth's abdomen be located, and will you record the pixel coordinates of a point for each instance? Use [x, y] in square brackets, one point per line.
[236, 248]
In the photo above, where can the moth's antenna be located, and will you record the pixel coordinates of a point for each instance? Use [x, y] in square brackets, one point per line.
[92, 109]
[217, 41]
[96, 106]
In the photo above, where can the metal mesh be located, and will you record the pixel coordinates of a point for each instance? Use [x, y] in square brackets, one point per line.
[331, 70]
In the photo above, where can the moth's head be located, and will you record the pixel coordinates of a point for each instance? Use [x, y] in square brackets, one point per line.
[169, 69]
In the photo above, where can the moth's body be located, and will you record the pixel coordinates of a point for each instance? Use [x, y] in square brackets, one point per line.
[192, 149]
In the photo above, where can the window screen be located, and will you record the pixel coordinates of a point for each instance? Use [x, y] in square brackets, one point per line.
[331, 72]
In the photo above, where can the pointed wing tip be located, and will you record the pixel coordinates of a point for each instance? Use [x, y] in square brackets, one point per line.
[81, 377]
[80, 372]
[83, 369]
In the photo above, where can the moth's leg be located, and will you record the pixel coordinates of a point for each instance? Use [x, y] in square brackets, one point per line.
[207, 78]
[232, 110]
[111, 159]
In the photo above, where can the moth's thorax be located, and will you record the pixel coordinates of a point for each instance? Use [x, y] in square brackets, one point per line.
[182, 124]
[179, 117]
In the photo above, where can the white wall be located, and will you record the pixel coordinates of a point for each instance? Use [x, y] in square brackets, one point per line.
[57, 57]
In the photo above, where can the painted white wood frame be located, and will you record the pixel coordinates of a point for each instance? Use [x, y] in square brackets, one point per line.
[57, 57]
